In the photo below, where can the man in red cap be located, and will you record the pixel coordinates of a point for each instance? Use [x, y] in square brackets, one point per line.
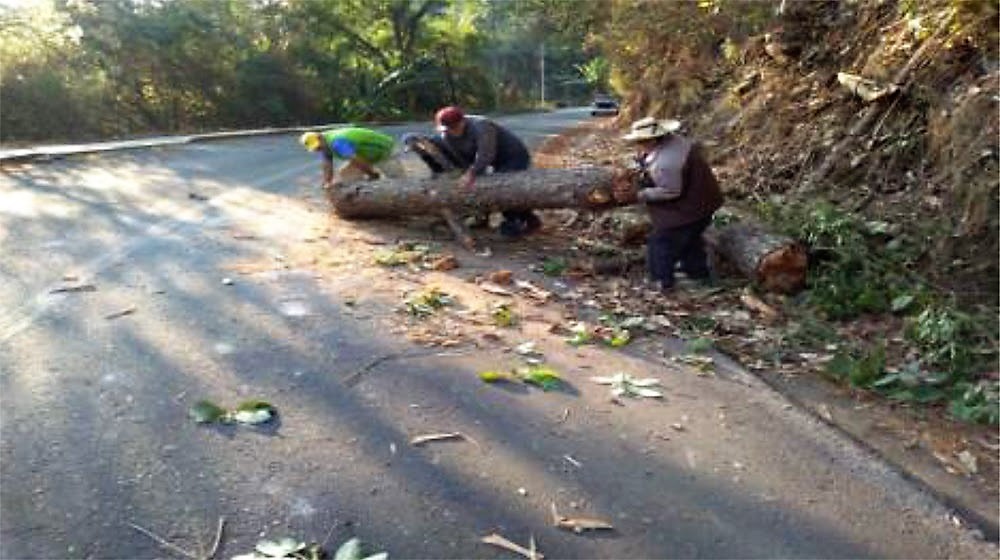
[480, 145]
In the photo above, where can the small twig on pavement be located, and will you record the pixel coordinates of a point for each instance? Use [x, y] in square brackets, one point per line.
[218, 539]
[352, 379]
[163, 542]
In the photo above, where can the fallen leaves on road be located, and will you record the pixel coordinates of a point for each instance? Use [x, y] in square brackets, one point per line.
[252, 412]
[502, 315]
[289, 548]
[623, 384]
[578, 524]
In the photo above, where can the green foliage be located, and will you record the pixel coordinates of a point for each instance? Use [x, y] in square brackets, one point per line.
[543, 377]
[861, 370]
[427, 302]
[554, 266]
[90, 69]
[503, 315]
[977, 402]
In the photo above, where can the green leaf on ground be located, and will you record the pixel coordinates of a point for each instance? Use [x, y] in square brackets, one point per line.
[502, 315]
[496, 376]
[554, 266]
[623, 384]
[204, 412]
[618, 338]
[581, 334]
[253, 412]
[541, 376]
[699, 345]
[282, 548]
[353, 550]
[900, 303]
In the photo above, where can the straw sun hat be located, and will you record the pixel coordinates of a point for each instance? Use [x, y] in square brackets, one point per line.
[649, 128]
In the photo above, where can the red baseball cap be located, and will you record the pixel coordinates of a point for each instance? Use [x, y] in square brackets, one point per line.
[448, 116]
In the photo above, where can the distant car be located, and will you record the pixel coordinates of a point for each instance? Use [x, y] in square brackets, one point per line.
[604, 105]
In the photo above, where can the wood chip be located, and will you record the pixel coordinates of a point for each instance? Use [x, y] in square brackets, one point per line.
[497, 540]
[127, 311]
[578, 524]
[495, 289]
[500, 277]
[72, 289]
[754, 303]
[532, 290]
[420, 440]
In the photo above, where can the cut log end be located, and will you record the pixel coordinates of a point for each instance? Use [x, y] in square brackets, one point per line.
[774, 262]
[783, 270]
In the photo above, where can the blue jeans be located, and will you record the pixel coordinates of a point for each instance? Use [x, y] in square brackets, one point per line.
[667, 247]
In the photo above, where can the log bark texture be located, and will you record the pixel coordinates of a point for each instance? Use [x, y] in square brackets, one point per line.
[586, 187]
[774, 262]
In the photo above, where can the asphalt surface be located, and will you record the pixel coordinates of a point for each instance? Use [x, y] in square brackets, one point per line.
[239, 285]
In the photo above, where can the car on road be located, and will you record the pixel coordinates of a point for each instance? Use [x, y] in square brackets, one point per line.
[604, 105]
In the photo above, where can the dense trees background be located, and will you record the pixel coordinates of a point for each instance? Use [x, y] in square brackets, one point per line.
[104, 68]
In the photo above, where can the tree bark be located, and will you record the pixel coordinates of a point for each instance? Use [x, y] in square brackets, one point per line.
[774, 262]
[589, 187]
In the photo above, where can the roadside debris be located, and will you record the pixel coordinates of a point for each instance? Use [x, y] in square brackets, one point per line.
[540, 376]
[425, 303]
[252, 412]
[74, 289]
[533, 291]
[422, 439]
[578, 524]
[117, 314]
[178, 550]
[530, 553]
[494, 289]
[867, 89]
[290, 548]
[623, 384]
[502, 315]
[500, 277]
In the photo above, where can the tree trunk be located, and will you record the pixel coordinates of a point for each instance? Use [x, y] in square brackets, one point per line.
[774, 262]
[589, 187]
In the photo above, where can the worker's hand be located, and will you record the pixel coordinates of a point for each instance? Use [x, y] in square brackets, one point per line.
[467, 180]
[624, 189]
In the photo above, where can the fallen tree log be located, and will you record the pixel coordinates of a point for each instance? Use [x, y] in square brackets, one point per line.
[774, 262]
[585, 187]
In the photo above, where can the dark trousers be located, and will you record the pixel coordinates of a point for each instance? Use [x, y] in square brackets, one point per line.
[521, 220]
[668, 246]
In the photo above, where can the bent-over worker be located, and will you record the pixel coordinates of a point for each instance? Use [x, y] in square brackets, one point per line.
[367, 154]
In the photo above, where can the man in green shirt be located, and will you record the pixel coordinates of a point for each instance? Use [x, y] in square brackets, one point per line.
[367, 154]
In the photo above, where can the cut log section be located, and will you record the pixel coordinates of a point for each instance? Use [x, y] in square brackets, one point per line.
[774, 262]
[587, 187]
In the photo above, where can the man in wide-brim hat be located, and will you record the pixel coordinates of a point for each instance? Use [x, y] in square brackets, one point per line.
[681, 193]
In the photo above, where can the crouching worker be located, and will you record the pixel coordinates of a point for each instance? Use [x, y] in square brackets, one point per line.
[366, 154]
[479, 144]
[680, 192]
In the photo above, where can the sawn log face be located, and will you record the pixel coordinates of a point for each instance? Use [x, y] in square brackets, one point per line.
[775, 262]
[588, 187]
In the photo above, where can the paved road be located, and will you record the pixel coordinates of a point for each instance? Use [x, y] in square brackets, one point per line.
[95, 438]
